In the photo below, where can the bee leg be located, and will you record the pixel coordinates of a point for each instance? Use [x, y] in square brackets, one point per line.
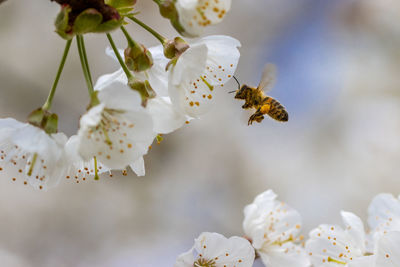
[246, 106]
[257, 116]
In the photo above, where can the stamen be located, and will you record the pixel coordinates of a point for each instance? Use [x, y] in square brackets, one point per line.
[336, 261]
[96, 175]
[33, 164]
[208, 85]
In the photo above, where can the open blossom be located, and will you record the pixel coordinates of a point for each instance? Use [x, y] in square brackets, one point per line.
[274, 227]
[194, 15]
[215, 250]
[114, 132]
[30, 154]
[332, 245]
[132, 127]
[206, 65]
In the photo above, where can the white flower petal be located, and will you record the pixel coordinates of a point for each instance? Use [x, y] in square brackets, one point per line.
[190, 64]
[366, 261]
[117, 95]
[268, 221]
[330, 244]
[388, 250]
[355, 228]
[138, 167]
[185, 259]
[30, 154]
[235, 251]
[194, 15]
[107, 80]
[166, 118]
[287, 255]
[384, 214]
[118, 139]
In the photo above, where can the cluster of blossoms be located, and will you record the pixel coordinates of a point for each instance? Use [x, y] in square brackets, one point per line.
[272, 233]
[156, 91]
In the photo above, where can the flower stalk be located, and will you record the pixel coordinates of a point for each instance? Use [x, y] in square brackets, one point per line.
[120, 59]
[84, 63]
[159, 37]
[47, 104]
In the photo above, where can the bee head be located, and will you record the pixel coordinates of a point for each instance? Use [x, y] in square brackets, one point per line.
[242, 92]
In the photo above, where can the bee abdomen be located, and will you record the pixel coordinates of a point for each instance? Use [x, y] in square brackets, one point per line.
[277, 111]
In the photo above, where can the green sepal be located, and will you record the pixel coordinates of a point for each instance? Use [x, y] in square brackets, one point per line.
[175, 48]
[36, 117]
[87, 21]
[108, 26]
[44, 120]
[125, 10]
[143, 88]
[61, 23]
[51, 124]
[121, 3]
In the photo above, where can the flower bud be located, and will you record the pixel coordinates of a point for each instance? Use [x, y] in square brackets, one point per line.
[174, 48]
[144, 88]
[137, 57]
[44, 120]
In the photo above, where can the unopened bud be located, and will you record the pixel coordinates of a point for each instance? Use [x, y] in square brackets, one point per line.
[174, 48]
[137, 57]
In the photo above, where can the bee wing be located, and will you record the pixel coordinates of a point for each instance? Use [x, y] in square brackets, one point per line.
[268, 77]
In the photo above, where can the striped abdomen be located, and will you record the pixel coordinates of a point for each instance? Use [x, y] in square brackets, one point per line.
[274, 109]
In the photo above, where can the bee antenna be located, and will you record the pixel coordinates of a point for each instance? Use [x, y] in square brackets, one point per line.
[231, 92]
[237, 81]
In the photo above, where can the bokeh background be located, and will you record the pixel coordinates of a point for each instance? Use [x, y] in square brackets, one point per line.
[338, 65]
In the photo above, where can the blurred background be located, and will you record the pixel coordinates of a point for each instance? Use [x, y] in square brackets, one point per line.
[338, 65]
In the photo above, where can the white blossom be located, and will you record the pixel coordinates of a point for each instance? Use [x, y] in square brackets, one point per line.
[194, 15]
[215, 250]
[30, 154]
[205, 66]
[113, 131]
[332, 245]
[274, 227]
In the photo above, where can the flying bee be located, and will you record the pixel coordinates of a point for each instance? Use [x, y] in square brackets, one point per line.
[256, 98]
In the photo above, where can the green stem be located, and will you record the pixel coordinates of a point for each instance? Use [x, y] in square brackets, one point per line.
[47, 104]
[129, 39]
[120, 60]
[85, 66]
[161, 38]
[158, 2]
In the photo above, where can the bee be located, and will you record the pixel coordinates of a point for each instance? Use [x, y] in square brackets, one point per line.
[256, 98]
